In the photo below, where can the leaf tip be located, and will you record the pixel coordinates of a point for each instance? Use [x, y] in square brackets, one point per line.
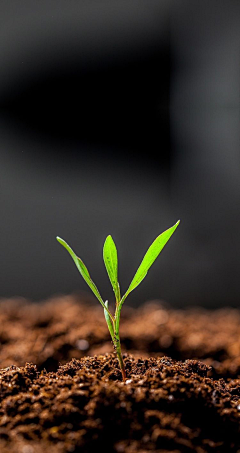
[107, 240]
[60, 240]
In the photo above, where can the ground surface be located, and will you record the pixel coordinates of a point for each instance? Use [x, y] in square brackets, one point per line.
[66, 327]
[82, 405]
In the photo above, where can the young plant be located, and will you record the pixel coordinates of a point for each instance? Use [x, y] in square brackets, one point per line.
[110, 258]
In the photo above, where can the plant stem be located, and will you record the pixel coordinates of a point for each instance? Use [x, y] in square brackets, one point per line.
[117, 343]
[113, 327]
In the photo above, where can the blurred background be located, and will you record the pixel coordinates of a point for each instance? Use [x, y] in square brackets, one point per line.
[120, 117]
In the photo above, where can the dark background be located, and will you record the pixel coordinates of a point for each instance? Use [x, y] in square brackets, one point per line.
[120, 117]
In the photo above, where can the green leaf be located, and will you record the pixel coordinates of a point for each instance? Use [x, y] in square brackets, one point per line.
[83, 270]
[109, 322]
[150, 257]
[111, 262]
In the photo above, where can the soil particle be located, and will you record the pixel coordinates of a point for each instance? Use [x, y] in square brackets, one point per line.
[165, 406]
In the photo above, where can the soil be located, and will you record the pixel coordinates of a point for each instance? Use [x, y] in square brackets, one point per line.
[69, 397]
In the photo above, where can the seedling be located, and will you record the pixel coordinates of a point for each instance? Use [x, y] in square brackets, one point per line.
[111, 262]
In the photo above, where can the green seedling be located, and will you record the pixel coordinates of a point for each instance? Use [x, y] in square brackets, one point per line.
[110, 258]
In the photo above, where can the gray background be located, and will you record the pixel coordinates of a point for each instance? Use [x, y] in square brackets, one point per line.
[119, 118]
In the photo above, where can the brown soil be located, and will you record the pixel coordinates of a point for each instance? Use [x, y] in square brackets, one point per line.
[66, 327]
[164, 406]
[84, 406]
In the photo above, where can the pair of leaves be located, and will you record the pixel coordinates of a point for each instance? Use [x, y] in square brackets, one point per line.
[111, 262]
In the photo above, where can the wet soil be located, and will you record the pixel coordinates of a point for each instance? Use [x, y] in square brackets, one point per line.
[187, 403]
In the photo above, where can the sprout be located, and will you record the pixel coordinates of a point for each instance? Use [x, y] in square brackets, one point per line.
[110, 258]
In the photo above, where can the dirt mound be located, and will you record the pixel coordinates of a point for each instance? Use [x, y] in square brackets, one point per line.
[164, 406]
